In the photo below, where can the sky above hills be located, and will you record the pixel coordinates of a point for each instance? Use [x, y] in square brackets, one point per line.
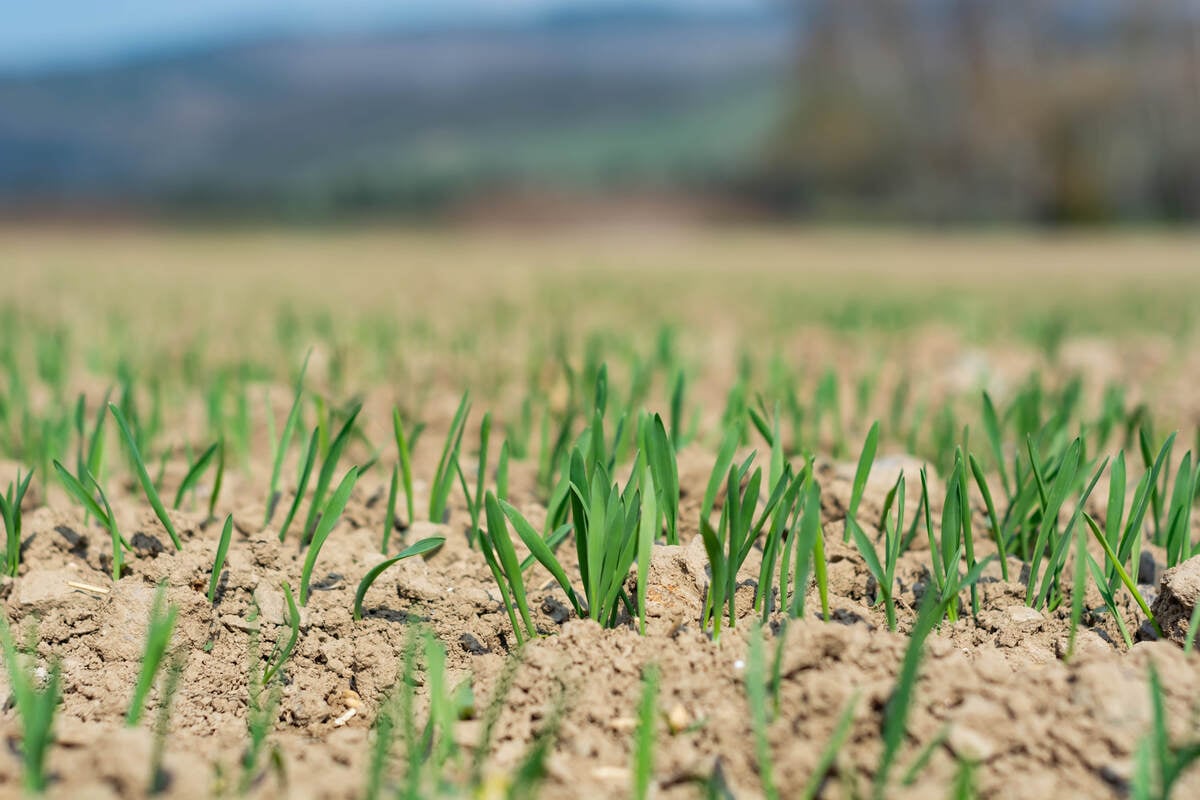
[53, 34]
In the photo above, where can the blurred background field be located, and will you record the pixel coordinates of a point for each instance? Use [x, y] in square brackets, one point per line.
[544, 111]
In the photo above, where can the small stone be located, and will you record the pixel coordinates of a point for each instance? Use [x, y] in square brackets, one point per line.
[470, 644]
[624, 724]
[969, 744]
[1178, 593]
[1023, 615]
[1148, 571]
[678, 718]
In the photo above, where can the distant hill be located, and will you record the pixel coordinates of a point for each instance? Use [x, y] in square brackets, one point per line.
[403, 118]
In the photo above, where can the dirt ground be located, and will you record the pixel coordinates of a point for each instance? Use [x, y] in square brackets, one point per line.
[994, 688]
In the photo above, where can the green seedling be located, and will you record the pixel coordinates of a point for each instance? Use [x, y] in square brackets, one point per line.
[193, 474]
[1129, 550]
[660, 456]
[475, 498]
[729, 544]
[1054, 497]
[861, 473]
[884, 572]
[447, 468]
[1178, 538]
[806, 543]
[416, 549]
[1189, 641]
[325, 476]
[306, 468]
[841, 731]
[501, 557]
[10, 513]
[330, 515]
[144, 477]
[91, 458]
[1124, 576]
[1110, 600]
[285, 441]
[104, 515]
[646, 734]
[491, 717]
[36, 706]
[1158, 764]
[647, 533]
[167, 687]
[756, 694]
[405, 463]
[614, 528]
[895, 712]
[502, 471]
[158, 638]
[219, 562]
[282, 650]
[998, 537]
[991, 427]
[263, 695]
[218, 481]
[389, 519]
[1078, 587]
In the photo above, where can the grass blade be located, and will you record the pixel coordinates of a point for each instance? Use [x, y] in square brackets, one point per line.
[219, 561]
[144, 477]
[416, 549]
[329, 517]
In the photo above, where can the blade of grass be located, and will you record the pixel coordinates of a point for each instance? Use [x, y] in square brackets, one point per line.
[144, 477]
[329, 517]
[419, 548]
[219, 561]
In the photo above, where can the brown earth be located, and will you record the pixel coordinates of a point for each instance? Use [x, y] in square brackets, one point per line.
[994, 688]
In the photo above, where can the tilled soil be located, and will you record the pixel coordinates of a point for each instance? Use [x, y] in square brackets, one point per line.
[993, 689]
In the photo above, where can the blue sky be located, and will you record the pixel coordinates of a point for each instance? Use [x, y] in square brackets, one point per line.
[51, 33]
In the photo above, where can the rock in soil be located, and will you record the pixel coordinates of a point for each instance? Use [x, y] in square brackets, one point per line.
[1178, 592]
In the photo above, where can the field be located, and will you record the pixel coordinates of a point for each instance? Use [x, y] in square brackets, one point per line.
[645, 513]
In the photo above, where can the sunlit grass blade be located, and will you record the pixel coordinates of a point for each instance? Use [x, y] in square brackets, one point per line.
[35, 706]
[756, 694]
[841, 731]
[997, 535]
[218, 481]
[1130, 585]
[330, 515]
[416, 549]
[10, 512]
[389, 518]
[144, 477]
[647, 533]
[219, 562]
[895, 712]
[991, 426]
[194, 473]
[285, 441]
[443, 477]
[539, 549]
[283, 650]
[158, 638]
[645, 736]
[325, 476]
[402, 445]
[310, 457]
[861, 473]
[506, 557]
